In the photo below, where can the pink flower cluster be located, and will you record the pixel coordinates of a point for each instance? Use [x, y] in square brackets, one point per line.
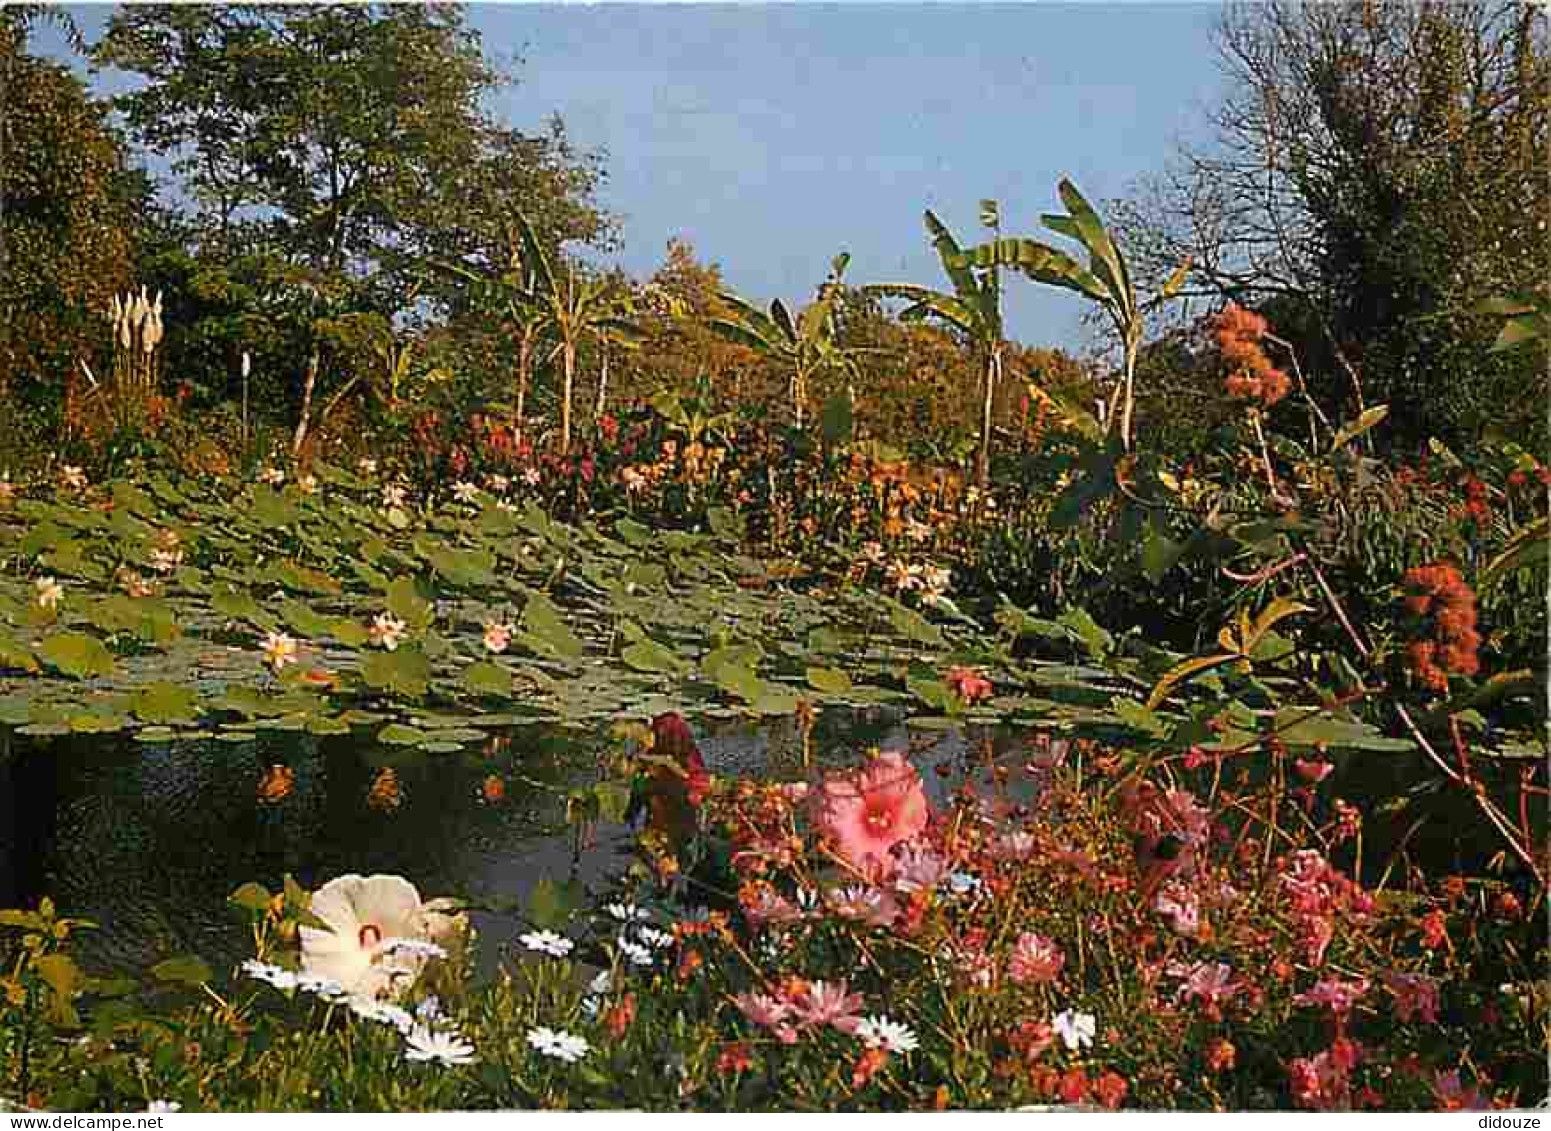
[1318, 895]
[803, 1006]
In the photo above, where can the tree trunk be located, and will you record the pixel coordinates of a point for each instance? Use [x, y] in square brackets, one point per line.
[301, 425]
[524, 368]
[797, 398]
[1130, 395]
[983, 459]
[568, 354]
[603, 385]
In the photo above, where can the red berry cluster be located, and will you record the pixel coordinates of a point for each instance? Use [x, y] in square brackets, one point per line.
[1478, 506]
[1238, 333]
[1439, 592]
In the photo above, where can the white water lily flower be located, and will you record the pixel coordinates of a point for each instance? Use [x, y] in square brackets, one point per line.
[547, 942]
[881, 1033]
[393, 495]
[49, 592]
[272, 476]
[465, 492]
[442, 1046]
[558, 1044]
[72, 477]
[1074, 1029]
[369, 919]
[366, 465]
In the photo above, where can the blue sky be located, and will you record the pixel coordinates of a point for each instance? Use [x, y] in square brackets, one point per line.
[773, 136]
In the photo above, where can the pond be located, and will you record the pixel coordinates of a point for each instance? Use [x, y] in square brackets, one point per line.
[148, 839]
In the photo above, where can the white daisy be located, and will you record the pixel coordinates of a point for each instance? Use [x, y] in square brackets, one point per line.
[880, 1032]
[628, 913]
[163, 1107]
[547, 942]
[654, 938]
[329, 989]
[430, 1009]
[443, 1046]
[1074, 1029]
[384, 1013]
[465, 492]
[277, 976]
[558, 1044]
[635, 952]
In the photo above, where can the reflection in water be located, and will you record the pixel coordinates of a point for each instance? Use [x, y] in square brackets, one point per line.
[149, 840]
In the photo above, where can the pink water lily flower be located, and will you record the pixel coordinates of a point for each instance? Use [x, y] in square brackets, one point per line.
[864, 814]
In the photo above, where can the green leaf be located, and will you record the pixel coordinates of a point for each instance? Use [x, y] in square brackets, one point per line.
[1138, 717]
[1186, 670]
[164, 702]
[543, 620]
[253, 896]
[186, 970]
[646, 655]
[1355, 428]
[486, 678]
[831, 681]
[406, 672]
[1531, 544]
[77, 654]
[404, 601]
[835, 419]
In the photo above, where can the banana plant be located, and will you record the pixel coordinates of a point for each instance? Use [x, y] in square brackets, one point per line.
[514, 294]
[574, 307]
[803, 346]
[974, 309]
[1106, 280]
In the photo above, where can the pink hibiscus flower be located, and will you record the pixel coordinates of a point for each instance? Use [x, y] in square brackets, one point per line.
[866, 813]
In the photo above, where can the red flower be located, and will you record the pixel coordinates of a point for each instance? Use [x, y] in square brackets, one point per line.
[1435, 935]
[1110, 1089]
[736, 1057]
[1074, 1085]
[968, 684]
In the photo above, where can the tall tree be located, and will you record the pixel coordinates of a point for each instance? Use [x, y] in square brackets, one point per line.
[348, 142]
[1378, 168]
[64, 222]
